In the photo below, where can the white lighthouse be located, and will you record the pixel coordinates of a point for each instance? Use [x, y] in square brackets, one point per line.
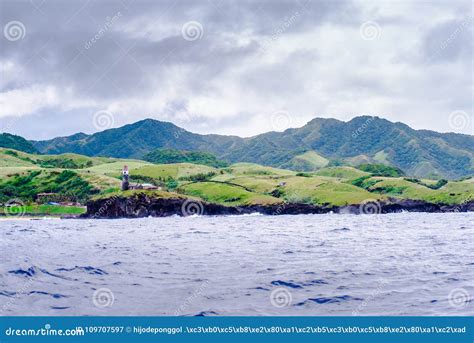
[125, 176]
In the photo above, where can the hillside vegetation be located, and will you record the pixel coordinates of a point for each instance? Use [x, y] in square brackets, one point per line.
[379, 169]
[167, 156]
[79, 178]
[319, 144]
[16, 142]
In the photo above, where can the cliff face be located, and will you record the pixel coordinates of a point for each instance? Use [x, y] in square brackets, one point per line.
[143, 205]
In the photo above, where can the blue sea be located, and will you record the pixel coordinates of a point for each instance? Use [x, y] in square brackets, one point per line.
[332, 264]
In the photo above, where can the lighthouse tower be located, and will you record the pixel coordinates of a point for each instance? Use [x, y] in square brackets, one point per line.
[125, 176]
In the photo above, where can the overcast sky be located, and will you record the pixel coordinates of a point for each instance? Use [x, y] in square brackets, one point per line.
[233, 67]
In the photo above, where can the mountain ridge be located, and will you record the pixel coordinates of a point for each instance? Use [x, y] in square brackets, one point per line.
[360, 140]
[8, 140]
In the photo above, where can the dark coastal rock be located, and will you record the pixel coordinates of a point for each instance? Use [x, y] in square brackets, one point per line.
[143, 205]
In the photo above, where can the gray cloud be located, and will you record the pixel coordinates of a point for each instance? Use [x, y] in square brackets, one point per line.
[254, 58]
[449, 41]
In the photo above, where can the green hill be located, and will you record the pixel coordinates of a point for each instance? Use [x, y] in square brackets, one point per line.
[166, 156]
[308, 161]
[419, 153]
[381, 170]
[23, 176]
[16, 142]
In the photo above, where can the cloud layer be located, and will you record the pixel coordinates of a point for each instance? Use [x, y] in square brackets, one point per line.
[230, 67]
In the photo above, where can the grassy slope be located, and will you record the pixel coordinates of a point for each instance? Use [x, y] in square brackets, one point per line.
[246, 183]
[308, 161]
[115, 167]
[314, 189]
[226, 194]
[452, 193]
[142, 168]
[325, 191]
[22, 156]
[348, 173]
[256, 169]
[43, 210]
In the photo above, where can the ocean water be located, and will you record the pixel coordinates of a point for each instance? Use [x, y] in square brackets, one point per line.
[391, 264]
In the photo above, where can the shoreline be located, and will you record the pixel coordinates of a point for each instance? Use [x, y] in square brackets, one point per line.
[83, 217]
[142, 206]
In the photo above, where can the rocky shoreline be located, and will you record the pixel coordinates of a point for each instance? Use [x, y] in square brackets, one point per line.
[142, 205]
